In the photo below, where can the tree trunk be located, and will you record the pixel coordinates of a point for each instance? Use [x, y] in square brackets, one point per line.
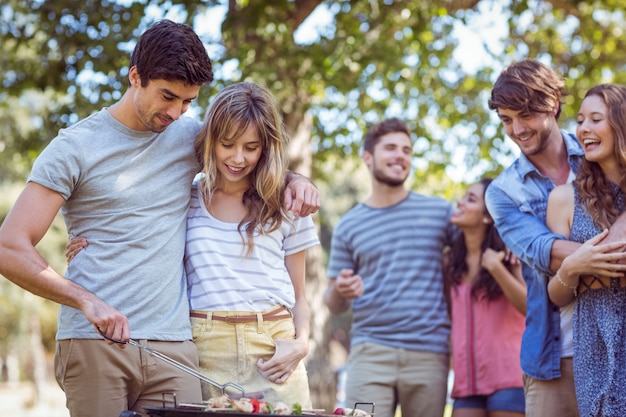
[12, 364]
[38, 355]
[322, 377]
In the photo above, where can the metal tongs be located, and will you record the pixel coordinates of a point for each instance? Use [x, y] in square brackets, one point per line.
[190, 371]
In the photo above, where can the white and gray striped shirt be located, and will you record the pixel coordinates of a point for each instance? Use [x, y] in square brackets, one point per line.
[221, 277]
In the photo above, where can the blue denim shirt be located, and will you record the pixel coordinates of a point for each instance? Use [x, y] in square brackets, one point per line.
[517, 200]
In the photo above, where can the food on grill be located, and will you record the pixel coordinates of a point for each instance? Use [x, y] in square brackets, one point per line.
[218, 402]
[244, 405]
[351, 412]
[282, 408]
[251, 406]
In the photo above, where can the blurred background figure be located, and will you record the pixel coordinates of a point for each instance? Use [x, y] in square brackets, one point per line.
[487, 301]
[386, 264]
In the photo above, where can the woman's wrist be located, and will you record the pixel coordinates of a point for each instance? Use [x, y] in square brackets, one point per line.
[566, 281]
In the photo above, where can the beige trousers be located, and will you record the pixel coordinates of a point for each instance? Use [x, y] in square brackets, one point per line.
[102, 380]
[556, 397]
[389, 376]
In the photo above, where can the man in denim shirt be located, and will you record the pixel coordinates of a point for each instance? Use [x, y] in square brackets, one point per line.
[527, 98]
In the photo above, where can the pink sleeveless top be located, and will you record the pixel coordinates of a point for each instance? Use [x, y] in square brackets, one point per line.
[486, 341]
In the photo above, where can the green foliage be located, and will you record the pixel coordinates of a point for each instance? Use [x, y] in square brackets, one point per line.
[373, 59]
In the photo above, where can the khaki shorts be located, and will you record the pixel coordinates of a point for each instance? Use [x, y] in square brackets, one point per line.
[102, 380]
[388, 376]
[556, 397]
[229, 353]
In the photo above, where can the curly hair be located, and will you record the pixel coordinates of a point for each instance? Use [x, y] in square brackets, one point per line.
[456, 266]
[528, 86]
[234, 109]
[594, 189]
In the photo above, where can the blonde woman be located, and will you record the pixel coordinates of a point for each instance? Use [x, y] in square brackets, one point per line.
[245, 255]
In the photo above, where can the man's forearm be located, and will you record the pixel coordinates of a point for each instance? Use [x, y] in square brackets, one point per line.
[560, 250]
[617, 232]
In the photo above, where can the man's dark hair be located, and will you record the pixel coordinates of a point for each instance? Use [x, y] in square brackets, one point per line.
[375, 132]
[173, 52]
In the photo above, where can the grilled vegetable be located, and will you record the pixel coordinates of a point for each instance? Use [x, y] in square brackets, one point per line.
[252, 406]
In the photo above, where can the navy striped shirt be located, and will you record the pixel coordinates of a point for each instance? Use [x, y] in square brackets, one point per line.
[397, 250]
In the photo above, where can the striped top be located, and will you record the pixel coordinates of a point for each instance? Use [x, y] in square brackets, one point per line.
[397, 250]
[220, 277]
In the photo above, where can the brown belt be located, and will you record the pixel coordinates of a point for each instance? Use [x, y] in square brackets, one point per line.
[591, 282]
[248, 318]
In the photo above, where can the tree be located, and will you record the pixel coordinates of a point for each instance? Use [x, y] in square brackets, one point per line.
[373, 59]
[393, 57]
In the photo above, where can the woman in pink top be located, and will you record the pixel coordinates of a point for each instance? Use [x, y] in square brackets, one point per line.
[487, 300]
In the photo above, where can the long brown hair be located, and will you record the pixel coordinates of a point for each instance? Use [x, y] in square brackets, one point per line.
[456, 265]
[234, 109]
[594, 188]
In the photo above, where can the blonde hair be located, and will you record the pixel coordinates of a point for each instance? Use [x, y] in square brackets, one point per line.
[234, 109]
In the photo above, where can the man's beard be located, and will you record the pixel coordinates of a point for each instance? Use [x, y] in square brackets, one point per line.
[392, 182]
[542, 145]
[151, 121]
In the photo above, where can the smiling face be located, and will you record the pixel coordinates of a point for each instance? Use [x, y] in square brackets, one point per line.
[594, 131]
[390, 161]
[471, 210]
[531, 132]
[236, 160]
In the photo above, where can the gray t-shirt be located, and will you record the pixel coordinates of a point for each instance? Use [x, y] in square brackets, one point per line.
[127, 192]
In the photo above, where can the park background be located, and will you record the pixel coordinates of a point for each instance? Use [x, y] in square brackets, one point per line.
[336, 67]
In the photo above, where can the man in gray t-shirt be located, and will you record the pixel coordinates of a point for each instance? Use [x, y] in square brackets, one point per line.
[122, 179]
